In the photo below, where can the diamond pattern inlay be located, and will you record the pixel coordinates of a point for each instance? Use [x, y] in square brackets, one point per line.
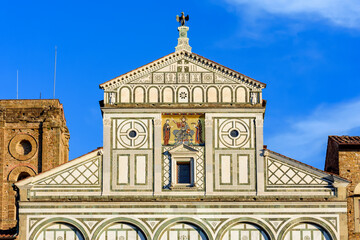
[84, 174]
[200, 171]
[281, 174]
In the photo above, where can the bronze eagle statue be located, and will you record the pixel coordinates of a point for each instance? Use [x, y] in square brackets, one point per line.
[182, 19]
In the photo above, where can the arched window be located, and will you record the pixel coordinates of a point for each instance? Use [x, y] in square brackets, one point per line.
[180, 231]
[122, 231]
[245, 231]
[23, 175]
[307, 231]
[60, 231]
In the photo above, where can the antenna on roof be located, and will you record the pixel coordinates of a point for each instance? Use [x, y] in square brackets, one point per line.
[55, 71]
[17, 84]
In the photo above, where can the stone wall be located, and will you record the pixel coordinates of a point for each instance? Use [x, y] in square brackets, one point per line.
[343, 158]
[33, 138]
[349, 160]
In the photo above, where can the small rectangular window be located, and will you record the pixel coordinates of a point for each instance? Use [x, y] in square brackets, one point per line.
[183, 172]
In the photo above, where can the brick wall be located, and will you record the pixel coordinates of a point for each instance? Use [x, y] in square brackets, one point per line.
[33, 138]
[343, 158]
[349, 162]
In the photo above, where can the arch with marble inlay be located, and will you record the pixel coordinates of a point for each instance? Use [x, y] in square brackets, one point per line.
[139, 94]
[314, 229]
[212, 94]
[241, 95]
[59, 228]
[197, 95]
[226, 95]
[192, 228]
[167, 95]
[124, 95]
[153, 95]
[242, 228]
[129, 229]
[183, 95]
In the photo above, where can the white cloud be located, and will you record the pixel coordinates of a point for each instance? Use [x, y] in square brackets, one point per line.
[344, 13]
[306, 138]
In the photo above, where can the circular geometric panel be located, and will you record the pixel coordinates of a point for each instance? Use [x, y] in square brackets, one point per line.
[132, 133]
[22, 147]
[234, 133]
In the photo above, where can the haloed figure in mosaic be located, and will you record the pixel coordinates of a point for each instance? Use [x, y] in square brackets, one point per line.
[166, 132]
[198, 134]
[184, 132]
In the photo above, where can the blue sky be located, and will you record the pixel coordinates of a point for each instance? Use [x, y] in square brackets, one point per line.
[306, 51]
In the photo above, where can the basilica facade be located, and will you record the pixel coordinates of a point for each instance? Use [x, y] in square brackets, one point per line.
[183, 159]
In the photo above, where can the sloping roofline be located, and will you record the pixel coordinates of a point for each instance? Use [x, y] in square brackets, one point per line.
[346, 140]
[308, 166]
[29, 179]
[216, 65]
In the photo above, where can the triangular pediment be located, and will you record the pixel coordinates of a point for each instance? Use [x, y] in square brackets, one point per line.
[283, 172]
[182, 67]
[81, 174]
[183, 149]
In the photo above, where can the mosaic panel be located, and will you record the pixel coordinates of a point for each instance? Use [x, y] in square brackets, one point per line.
[183, 129]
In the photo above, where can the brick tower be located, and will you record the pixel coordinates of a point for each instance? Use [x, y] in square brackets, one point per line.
[343, 158]
[33, 139]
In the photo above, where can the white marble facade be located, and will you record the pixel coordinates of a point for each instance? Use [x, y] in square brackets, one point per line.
[183, 159]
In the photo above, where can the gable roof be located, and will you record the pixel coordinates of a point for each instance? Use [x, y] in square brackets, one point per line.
[308, 167]
[346, 140]
[154, 65]
[70, 163]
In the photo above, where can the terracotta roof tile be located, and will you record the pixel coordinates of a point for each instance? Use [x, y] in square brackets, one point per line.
[346, 140]
[7, 236]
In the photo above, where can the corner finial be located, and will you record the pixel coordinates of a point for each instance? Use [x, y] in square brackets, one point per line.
[183, 40]
[182, 19]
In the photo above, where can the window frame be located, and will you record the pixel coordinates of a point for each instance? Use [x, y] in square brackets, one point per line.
[178, 155]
